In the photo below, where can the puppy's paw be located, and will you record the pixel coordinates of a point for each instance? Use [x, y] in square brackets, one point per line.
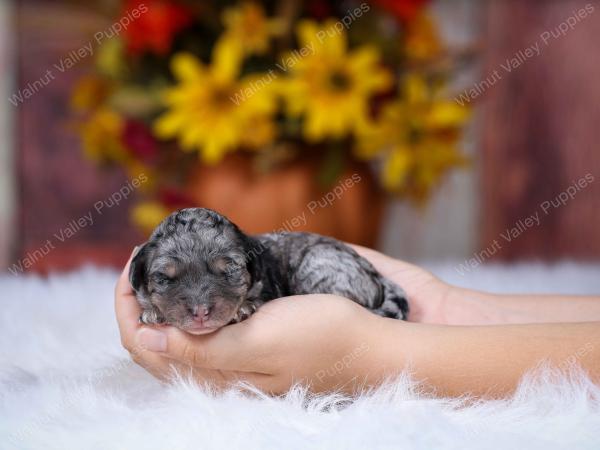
[151, 317]
[246, 310]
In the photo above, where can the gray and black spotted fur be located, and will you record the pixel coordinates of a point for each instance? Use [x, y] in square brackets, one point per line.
[196, 257]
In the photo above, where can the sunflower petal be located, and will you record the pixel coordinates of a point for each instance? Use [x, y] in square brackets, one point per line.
[227, 59]
[186, 67]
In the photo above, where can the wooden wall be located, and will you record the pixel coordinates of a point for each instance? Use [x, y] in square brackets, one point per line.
[57, 185]
[7, 164]
[542, 128]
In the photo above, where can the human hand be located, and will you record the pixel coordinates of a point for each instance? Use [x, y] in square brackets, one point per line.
[331, 343]
[323, 341]
[428, 296]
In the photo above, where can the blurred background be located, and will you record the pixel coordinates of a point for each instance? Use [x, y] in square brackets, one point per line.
[458, 130]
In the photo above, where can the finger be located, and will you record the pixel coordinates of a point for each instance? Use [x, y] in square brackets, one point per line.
[379, 260]
[127, 308]
[359, 248]
[167, 369]
[233, 347]
[386, 265]
[123, 286]
[372, 255]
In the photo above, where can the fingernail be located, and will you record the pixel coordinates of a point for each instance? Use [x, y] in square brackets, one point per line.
[135, 250]
[153, 340]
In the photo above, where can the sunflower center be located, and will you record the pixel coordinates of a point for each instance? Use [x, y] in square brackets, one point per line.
[339, 80]
[414, 135]
[221, 98]
[252, 23]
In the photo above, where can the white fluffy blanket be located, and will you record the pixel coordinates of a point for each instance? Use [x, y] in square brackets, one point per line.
[67, 384]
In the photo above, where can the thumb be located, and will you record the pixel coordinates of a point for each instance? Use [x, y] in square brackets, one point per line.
[224, 349]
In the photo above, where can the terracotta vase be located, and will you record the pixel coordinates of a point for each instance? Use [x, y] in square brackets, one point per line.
[289, 198]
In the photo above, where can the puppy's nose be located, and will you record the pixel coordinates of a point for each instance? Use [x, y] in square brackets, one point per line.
[201, 312]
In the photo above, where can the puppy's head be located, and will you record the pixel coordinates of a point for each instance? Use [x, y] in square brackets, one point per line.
[194, 270]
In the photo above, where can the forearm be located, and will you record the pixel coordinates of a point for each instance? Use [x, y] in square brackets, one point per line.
[470, 307]
[482, 361]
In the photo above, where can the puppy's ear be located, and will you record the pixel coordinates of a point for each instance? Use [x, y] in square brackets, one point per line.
[252, 251]
[137, 269]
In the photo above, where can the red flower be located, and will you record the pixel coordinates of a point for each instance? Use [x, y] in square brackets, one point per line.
[404, 10]
[140, 142]
[318, 9]
[174, 198]
[154, 24]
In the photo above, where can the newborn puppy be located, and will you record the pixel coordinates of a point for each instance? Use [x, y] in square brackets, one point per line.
[199, 272]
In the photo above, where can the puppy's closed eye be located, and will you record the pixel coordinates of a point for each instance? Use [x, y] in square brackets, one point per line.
[224, 266]
[161, 279]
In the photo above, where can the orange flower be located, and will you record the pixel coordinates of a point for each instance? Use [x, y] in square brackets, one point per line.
[422, 39]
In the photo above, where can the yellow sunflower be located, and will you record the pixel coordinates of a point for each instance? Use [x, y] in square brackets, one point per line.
[89, 93]
[329, 85]
[210, 109]
[417, 136]
[101, 137]
[147, 215]
[248, 25]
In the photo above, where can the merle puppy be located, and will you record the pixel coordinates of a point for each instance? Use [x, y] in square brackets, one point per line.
[199, 272]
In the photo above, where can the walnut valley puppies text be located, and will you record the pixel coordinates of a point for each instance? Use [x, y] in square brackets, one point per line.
[75, 56]
[524, 224]
[344, 363]
[75, 225]
[567, 195]
[314, 206]
[523, 55]
[295, 56]
[121, 195]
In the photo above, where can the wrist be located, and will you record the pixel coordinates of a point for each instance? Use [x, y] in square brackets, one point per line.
[431, 302]
[471, 307]
[385, 353]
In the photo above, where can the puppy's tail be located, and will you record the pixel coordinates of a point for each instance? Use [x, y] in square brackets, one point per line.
[395, 302]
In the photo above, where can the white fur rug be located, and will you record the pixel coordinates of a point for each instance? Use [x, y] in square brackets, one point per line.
[67, 384]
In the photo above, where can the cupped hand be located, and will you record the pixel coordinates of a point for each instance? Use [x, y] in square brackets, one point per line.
[322, 341]
[428, 296]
